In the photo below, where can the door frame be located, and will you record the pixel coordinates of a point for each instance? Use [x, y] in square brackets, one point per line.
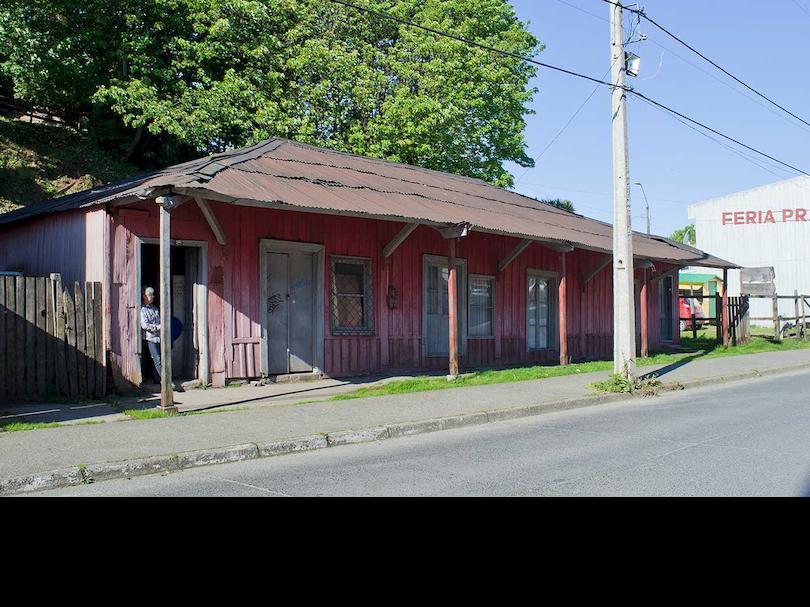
[269, 245]
[440, 261]
[200, 315]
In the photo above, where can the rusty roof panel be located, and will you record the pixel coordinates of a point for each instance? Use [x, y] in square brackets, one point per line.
[300, 176]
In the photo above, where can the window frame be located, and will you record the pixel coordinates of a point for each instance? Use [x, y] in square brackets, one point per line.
[368, 329]
[553, 343]
[493, 281]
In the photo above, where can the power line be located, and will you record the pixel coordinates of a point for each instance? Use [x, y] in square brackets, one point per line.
[705, 58]
[565, 126]
[485, 47]
[741, 154]
[801, 7]
[627, 89]
[716, 132]
[725, 83]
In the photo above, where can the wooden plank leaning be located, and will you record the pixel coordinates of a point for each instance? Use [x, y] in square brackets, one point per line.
[98, 319]
[42, 337]
[90, 339]
[70, 340]
[3, 335]
[81, 341]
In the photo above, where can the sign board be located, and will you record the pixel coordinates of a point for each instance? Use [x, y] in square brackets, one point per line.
[765, 216]
[758, 281]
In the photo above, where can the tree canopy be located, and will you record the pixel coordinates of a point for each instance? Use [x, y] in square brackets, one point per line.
[686, 235]
[194, 76]
[566, 205]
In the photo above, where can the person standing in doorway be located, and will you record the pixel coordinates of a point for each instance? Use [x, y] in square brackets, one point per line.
[150, 323]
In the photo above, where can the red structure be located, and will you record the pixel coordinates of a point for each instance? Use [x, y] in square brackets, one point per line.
[290, 259]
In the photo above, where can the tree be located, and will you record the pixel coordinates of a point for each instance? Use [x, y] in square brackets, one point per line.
[216, 74]
[685, 235]
[565, 205]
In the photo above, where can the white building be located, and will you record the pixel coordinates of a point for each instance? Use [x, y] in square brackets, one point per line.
[766, 226]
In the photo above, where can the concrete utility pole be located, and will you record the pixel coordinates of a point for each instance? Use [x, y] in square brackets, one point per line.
[624, 313]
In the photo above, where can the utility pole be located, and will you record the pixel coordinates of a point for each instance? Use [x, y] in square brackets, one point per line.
[624, 309]
[647, 204]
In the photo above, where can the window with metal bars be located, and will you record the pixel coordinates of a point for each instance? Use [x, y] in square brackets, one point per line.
[352, 297]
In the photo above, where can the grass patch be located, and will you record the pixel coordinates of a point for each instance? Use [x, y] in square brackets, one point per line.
[25, 426]
[705, 346]
[618, 384]
[158, 414]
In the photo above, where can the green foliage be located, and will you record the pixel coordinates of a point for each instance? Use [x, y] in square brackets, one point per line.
[616, 383]
[685, 235]
[619, 384]
[565, 205]
[206, 75]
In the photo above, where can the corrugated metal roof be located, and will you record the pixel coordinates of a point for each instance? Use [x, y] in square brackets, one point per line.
[285, 173]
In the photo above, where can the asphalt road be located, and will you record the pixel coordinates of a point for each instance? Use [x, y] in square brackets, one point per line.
[745, 439]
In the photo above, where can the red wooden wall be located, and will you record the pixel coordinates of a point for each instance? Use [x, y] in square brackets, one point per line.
[234, 284]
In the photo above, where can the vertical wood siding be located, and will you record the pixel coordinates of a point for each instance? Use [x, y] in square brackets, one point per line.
[70, 243]
[396, 345]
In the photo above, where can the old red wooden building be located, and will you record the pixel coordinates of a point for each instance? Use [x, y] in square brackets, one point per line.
[286, 258]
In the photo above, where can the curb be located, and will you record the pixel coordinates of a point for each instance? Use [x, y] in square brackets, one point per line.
[176, 462]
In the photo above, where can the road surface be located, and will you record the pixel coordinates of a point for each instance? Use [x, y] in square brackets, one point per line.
[747, 438]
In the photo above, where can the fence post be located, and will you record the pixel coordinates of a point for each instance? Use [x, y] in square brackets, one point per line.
[796, 309]
[804, 317]
[777, 334]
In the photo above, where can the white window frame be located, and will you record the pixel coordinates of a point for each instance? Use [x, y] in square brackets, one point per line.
[553, 306]
[492, 281]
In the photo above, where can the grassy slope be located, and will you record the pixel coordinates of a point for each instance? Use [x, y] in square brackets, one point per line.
[40, 161]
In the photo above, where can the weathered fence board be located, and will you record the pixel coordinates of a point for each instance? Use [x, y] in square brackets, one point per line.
[81, 341]
[3, 334]
[98, 332]
[51, 341]
[41, 337]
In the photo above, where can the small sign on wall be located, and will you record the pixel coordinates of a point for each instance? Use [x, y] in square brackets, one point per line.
[758, 281]
[742, 218]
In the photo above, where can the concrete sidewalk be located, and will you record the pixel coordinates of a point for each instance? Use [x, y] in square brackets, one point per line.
[64, 456]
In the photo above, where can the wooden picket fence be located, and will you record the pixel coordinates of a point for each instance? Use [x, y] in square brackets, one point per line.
[51, 340]
[739, 320]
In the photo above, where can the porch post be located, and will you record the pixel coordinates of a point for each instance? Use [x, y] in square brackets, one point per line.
[167, 203]
[452, 304]
[563, 309]
[724, 314]
[645, 315]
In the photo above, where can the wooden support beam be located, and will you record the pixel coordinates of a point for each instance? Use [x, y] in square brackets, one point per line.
[563, 309]
[397, 240]
[212, 220]
[513, 254]
[590, 275]
[560, 247]
[452, 304]
[725, 316]
[645, 315]
[167, 203]
[667, 274]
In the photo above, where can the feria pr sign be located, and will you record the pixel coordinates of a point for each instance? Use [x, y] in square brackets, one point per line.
[739, 218]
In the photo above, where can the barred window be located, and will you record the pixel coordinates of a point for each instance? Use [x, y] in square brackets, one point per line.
[351, 296]
[481, 303]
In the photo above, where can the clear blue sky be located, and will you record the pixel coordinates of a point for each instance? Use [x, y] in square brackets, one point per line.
[766, 44]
